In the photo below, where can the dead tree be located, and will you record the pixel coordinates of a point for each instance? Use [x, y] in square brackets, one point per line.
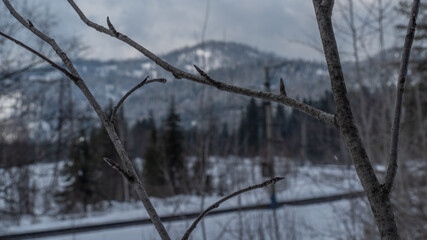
[378, 193]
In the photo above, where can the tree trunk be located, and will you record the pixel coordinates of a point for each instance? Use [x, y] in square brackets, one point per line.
[378, 198]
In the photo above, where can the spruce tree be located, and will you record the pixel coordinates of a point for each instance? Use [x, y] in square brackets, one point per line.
[249, 129]
[81, 177]
[110, 183]
[140, 135]
[280, 122]
[242, 135]
[224, 140]
[153, 166]
[174, 152]
[252, 127]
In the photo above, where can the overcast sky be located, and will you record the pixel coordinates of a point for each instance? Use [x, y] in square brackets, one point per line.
[164, 25]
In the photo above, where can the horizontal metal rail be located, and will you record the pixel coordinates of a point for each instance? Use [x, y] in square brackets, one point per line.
[184, 216]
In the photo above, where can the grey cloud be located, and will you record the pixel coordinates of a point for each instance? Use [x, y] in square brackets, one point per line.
[164, 25]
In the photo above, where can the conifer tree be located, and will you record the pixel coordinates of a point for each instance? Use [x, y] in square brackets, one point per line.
[253, 126]
[140, 135]
[224, 140]
[242, 136]
[174, 152]
[250, 128]
[110, 184]
[153, 166]
[280, 122]
[81, 178]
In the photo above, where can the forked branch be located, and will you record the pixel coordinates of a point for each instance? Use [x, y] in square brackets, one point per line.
[120, 169]
[377, 194]
[344, 114]
[217, 203]
[180, 74]
[32, 50]
[144, 82]
[282, 87]
[109, 127]
[406, 52]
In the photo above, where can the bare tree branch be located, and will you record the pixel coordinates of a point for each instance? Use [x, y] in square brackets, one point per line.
[378, 200]
[282, 87]
[378, 196]
[42, 36]
[111, 27]
[144, 82]
[109, 127]
[344, 115]
[406, 52]
[206, 76]
[178, 73]
[63, 70]
[217, 203]
[20, 70]
[119, 168]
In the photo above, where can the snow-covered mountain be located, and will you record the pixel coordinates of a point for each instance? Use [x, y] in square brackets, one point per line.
[233, 63]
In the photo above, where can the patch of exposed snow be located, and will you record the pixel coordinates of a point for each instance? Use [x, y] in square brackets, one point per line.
[9, 104]
[322, 221]
[203, 53]
[146, 66]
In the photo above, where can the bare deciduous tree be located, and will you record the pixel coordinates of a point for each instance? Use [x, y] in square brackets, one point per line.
[378, 193]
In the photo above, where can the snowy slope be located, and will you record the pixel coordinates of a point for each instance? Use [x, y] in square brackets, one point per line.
[322, 221]
[233, 63]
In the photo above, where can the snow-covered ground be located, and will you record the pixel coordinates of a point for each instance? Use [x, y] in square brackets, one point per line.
[336, 220]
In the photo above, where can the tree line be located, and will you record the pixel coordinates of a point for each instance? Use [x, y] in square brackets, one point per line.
[160, 148]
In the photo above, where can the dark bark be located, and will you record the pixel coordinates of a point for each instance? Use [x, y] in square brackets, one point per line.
[377, 194]
[109, 127]
[406, 52]
[179, 74]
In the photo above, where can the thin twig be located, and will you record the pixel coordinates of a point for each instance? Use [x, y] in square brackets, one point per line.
[206, 76]
[144, 82]
[111, 27]
[120, 169]
[216, 204]
[344, 115]
[380, 203]
[406, 52]
[180, 74]
[282, 87]
[19, 43]
[27, 23]
[20, 70]
[109, 127]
